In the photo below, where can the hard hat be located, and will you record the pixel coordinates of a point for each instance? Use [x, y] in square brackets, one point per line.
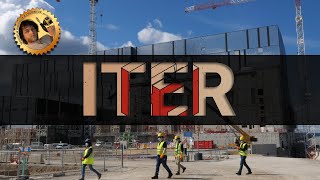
[160, 134]
[87, 140]
[177, 137]
[241, 138]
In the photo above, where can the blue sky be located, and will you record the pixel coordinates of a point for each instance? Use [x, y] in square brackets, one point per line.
[136, 23]
[121, 20]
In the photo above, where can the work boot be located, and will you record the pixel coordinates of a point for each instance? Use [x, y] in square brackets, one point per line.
[170, 175]
[184, 169]
[154, 177]
[81, 179]
[178, 173]
[99, 176]
[249, 173]
[238, 173]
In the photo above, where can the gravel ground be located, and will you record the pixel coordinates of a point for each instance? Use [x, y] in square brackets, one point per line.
[263, 168]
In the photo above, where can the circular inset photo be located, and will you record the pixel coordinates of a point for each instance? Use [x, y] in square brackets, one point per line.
[37, 31]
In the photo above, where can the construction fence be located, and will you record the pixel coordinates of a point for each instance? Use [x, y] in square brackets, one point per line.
[59, 162]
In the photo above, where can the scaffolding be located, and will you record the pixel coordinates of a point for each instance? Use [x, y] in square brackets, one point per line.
[310, 140]
[24, 136]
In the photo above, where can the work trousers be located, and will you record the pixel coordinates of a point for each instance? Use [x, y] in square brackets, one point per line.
[178, 162]
[162, 161]
[243, 162]
[90, 167]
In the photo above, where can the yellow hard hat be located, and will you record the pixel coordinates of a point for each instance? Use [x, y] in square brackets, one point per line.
[176, 137]
[241, 138]
[160, 135]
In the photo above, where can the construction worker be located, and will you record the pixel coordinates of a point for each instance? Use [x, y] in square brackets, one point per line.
[243, 147]
[178, 154]
[161, 156]
[88, 159]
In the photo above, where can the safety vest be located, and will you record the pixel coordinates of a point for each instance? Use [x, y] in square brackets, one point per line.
[90, 159]
[177, 149]
[160, 148]
[241, 152]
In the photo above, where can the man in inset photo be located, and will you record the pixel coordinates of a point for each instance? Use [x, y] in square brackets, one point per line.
[28, 32]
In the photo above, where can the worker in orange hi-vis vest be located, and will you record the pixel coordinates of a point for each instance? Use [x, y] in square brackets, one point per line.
[88, 159]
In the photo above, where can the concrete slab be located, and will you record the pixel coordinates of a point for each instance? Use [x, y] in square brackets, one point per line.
[274, 168]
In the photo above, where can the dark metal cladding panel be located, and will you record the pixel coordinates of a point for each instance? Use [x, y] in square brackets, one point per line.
[14, 85]
[51, 66]
[78, 79]
[99, 97]
[77, 64]
[62, 63]
[63, 80]
[75, 96]
[34, 68]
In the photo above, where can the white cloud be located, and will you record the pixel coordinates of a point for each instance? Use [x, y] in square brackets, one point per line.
[112, 27]
[127, 44]
[40, 4]
[3, 52]
[67, 35]
[150, 35]
[10, 10]
[70, 44]
[149, 25]
[157, 22]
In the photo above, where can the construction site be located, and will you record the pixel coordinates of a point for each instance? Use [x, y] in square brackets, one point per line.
[128, 151]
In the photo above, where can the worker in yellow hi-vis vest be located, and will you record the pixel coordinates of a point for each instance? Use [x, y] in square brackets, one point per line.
[178, 154]
[243, 147]
[161, 156]
[88, 159]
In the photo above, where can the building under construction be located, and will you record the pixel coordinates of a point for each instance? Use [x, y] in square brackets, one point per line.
[258, 41]
[50, 89]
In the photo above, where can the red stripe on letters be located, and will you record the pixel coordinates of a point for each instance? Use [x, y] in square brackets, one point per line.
[157, 99]
[195, 92]
[125, 89]
[184, 113]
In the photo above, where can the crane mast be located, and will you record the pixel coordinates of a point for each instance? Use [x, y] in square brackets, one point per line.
[299, 28]
[215, 5]
[92, 31]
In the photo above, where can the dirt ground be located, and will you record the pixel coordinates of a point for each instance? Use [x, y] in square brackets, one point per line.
[274, 168]
[34, 169]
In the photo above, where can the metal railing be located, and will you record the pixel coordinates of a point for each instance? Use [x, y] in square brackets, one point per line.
[10, 163]
[62, 161]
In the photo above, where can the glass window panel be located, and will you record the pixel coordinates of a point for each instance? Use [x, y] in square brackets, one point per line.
[234, 53]
[206, 45]
[128, 51]
[274, 35]
[271, 50]
[237, 40]
[100, 52]
[221, 53]
[179, 47]
[253, 38]
[111, 52]
[144, 50]
[163, 48]
[263, 32]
